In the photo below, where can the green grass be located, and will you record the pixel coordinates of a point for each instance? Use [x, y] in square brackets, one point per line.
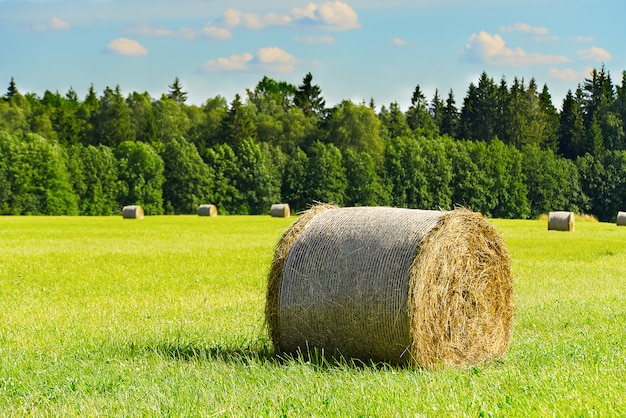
[164, 316]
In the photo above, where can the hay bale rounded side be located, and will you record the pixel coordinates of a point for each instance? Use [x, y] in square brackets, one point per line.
[280, 210]
[207, 210]
[621, 218]
[405, 286]
[132, 212]
[561, 221]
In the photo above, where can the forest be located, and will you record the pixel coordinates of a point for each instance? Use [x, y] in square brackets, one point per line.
[504, 150]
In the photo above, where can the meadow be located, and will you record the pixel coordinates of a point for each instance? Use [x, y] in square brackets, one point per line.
[101, 316]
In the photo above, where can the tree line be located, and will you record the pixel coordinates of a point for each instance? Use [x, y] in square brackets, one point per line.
[505, 150]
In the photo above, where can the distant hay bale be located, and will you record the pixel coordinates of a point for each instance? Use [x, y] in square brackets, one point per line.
[280, 210]
[207, 210]
[132, 212]
[404, 286]
[621, 218]
[561, 221]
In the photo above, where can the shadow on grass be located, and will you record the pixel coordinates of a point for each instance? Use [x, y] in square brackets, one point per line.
[261, 352]
[253, 352]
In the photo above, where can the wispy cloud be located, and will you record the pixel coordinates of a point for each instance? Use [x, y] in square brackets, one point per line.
[272, 59]
[148, 30]
[585, 39]
[491, 49]
[526, 28]
[539, 33]
[315, 40]
[595, 54]
[128, 47]
[231, 63]
[214, 32]
[335, 15]
[54, 23]
[399, 42]
[565, 74]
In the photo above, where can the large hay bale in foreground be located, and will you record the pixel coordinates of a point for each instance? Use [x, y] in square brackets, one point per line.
[404, 286]
[132, 212]
[561, 221]
[207, 210]
[621, 218]
[280, 210]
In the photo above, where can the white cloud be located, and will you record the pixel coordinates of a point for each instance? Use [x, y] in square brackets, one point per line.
[565, 74]
[58, 24]
[491, 49]
[272, 59]
[586, 39]
[151, 31]
[399, 42]
[339, 15]
[232, 63]
[315, 40]
[595, 54]
[185, 33]
[128, 47]
[54, 23]
[276, 59]
[308, 12]
[335, 15]
[217, 33]
[234, 18]
[539, 33]
[526, 28]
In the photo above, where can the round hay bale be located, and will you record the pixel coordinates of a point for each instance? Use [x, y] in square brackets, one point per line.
[561, 221]
[621, 218]
[132, 212]
[404, 286]
[280, 210]
[207, 210]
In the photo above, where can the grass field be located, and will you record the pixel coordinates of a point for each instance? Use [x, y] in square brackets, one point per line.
[101, 316]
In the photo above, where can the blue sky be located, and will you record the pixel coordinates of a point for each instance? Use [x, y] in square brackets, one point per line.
[355, 49]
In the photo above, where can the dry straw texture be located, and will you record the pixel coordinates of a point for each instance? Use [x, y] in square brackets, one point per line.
[280, 210]
[621, 218]
[561, 221]
[421, 288]
[207, 210]
[132, 212]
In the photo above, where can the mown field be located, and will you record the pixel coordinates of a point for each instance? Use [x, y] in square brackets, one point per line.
[101, 316]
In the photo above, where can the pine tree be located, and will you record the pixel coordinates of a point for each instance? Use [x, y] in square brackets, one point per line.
[12, 91]
[571, 130]
[111, 120]
[450, 118]
[418, 115]
[394, 121]
[237, 124]
[551, 117]
[309, 98]
[437, 110]
[176, 91]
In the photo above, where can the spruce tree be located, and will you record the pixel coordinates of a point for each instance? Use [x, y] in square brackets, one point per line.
[176, 91]
[12, 92]
[309, 97]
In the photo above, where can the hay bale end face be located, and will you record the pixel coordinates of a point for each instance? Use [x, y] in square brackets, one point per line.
[561, 221]
[132, 212]
[207, 210]
[621, 218]
[404, 286]
[280, 210]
